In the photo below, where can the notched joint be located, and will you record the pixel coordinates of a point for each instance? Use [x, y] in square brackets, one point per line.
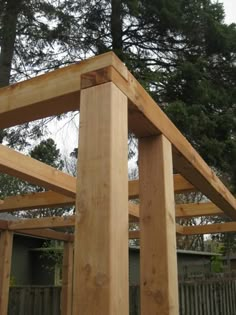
[97, 77]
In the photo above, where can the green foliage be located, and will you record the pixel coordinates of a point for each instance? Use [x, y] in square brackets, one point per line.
[48, 153]
[217, 261]
[12, 281]
[52, 254]
[217, 264]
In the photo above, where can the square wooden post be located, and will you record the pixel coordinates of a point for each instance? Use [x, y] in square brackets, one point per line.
[67, 279]
[6, 241]
[100, 283]
[159, 283]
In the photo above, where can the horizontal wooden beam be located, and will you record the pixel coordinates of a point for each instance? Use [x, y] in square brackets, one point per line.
[185, 211]
[43, 233]
[190, 210]
[40, 228]
[210, 228]
[51, 199]
[135, 234]
[181, 185]
[47, 234]
[42, 223]
[19, 165]
[46, 199]
[50, 94]
[133, 212]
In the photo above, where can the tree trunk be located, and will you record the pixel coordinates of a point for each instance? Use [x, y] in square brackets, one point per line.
[116, 27]
[9, 25]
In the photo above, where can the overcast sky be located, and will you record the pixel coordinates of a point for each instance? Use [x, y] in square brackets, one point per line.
[230, 10]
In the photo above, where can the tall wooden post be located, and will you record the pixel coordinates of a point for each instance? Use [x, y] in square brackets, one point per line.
[67, 279]
[6, 240]
[101, 230]
[159, 284]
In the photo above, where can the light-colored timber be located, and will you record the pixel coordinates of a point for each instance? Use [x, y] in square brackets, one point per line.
[16, 164]
[184, 211]
[135, 234]
[47, 234]
[62, 222]
[181, 185]
[158, 261]
[67, 279]
[50, 94]
[210, 228]
[203, 209]
[6, 240]
[39, 200]
[51, 199]
[42, 223]
[100, 279]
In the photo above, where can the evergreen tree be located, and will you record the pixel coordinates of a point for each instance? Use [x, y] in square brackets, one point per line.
[185, 56]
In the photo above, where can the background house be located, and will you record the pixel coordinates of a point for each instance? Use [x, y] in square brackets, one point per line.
[190, 263]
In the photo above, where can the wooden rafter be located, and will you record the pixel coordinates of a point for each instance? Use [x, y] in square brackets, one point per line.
[210, 228]
[42, 223]
[23, 226]
[135, 234]
[16, 164]
[42, 227]
[52, 199]
[190, 210]
[46, 199]
[37, 232]
[182, 211]
[47, 234]
[181, 185]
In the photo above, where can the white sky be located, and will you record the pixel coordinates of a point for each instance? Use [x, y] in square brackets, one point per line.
[230, 10]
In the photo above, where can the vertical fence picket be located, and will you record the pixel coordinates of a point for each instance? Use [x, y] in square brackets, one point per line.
[200, 297]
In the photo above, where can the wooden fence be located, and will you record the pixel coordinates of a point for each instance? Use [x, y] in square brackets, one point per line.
[208, 297]
[34, 300]
[205, 297]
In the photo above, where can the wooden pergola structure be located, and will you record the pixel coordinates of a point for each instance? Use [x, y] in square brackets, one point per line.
[111, 102]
